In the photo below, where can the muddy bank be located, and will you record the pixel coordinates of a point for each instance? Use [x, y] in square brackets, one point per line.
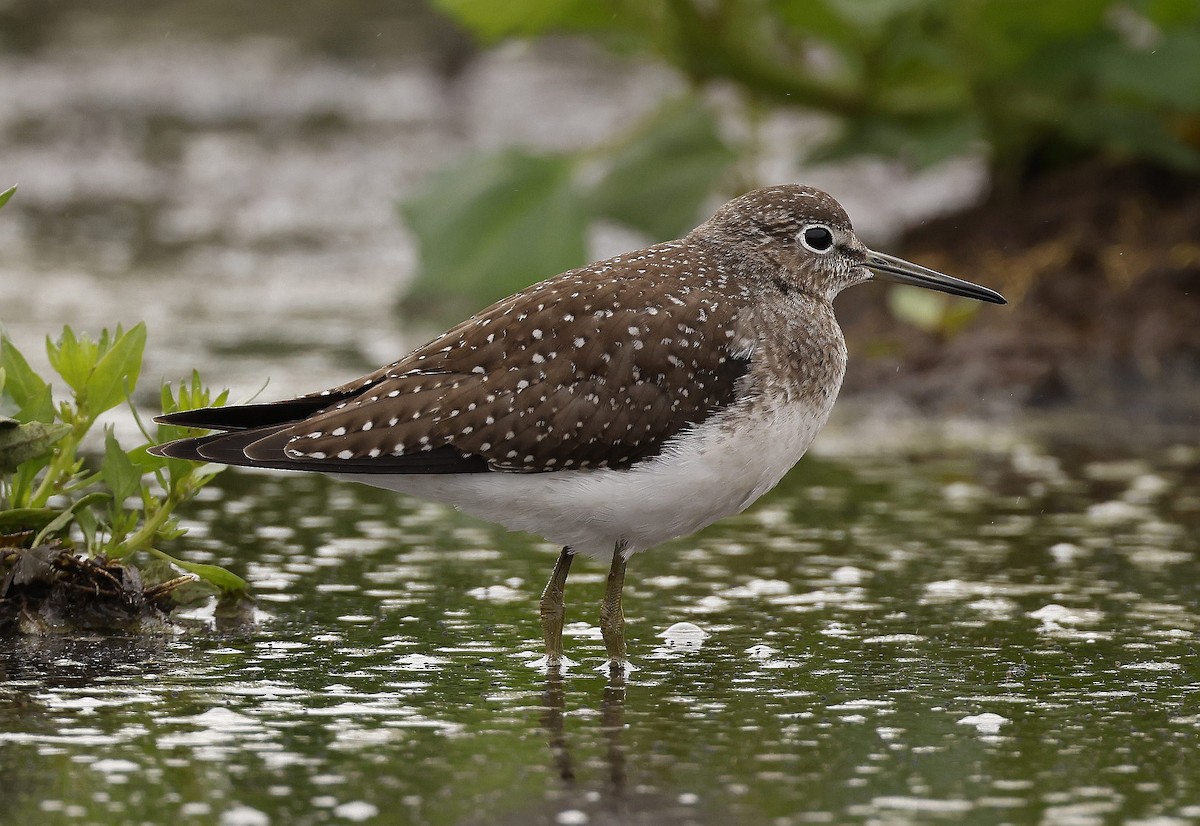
[1101, 265]
[51, 590]
[48, 589]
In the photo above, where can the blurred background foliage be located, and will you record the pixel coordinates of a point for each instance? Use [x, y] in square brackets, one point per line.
[243, 167]
[1033, 86]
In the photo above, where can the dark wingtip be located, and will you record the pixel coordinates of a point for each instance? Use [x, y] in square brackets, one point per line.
[208, 418]
[182, 449]
[250, 416]
[173, 418]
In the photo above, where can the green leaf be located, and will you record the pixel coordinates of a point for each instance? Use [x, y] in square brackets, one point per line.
[118, 471]
[56, 526]
[89, 527]
[215, 575]
[117, 370]
[101, 373]
[820, 19]
[40, 408]
[921, 80]
[71, 514]
[21, 384]
[1127, 131]
[26, 519]
[190, 396]
[841, 19]
[492, 225]
[181, 472]
[28, 441]
[919, 141]
[1170, 74]
[491, 20]
[7, 194]
[72, 358]
[657, 181]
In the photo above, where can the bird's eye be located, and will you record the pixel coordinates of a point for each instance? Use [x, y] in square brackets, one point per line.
[817, 238]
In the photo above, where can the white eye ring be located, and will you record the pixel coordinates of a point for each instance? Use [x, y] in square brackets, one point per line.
[814, 236]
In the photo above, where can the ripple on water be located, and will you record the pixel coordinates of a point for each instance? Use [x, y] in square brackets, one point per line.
[855, 675]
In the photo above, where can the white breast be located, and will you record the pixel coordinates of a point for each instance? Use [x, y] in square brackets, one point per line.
[710, 472]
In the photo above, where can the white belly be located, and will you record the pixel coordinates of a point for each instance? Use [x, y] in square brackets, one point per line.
[713, 471]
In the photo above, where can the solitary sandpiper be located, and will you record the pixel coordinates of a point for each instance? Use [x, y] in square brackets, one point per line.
[609, 408]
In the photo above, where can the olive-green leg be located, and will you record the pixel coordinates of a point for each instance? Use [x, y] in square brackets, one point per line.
[612, 618]
[554, 610]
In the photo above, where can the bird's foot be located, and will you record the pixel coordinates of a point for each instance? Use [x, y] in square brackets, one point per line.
[549, 665]
[617, 669]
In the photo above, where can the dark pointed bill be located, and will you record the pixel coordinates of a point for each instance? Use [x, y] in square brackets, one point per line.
[891, 268]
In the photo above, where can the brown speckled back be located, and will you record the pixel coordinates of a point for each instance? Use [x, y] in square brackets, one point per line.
[598, 367]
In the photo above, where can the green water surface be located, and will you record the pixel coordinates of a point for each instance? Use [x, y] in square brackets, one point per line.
[935, 633]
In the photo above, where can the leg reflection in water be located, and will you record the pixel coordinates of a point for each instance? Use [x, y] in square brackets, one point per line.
[612, 727]
[553, 711]
[596, 777]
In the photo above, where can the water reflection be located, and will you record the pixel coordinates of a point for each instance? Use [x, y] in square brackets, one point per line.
[603, 791]
[553, 703]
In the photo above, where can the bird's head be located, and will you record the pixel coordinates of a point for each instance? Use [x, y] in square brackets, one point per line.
[809, 245]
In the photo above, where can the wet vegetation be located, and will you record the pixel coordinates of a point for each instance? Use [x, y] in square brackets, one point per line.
[68, 532]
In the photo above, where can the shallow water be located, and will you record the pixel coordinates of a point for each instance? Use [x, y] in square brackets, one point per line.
[931, 633]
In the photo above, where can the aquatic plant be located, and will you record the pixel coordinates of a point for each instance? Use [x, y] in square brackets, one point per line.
[47, 490]
[67, 521]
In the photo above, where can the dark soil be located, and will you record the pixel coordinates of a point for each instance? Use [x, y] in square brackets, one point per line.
[1101, 265]
[49, 589]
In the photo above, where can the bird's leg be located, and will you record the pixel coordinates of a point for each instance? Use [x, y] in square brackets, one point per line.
[553, 609]
[612, 618]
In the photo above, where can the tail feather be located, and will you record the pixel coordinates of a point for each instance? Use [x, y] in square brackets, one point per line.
[256, 435]
[264, 448]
